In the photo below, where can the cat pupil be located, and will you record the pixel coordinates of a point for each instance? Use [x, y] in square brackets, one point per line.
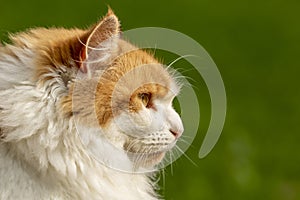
[145, 97]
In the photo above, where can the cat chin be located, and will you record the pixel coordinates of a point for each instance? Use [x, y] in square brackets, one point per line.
[155, 158]
[150, 161]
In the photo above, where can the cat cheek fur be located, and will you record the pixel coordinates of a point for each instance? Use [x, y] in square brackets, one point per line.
[152, 125]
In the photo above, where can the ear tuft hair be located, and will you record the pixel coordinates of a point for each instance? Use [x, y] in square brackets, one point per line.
[101, 41]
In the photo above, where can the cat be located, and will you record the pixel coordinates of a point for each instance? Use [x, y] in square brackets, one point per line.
[84, 114]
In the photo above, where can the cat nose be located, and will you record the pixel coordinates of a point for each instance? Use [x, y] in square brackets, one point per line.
[176, 134]
[175, 123]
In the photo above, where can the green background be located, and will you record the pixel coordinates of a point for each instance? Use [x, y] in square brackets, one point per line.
[256, 46]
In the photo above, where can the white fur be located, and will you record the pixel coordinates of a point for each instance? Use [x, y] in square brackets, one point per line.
[42, 156]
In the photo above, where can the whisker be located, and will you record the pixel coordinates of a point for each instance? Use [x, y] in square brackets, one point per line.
[186, 136]
[131, 145]
[137, 161]
[184, 70]
[164, 179]
[171, 163]
[184, 141]
[179, 58]
[175, 152]
[184, 77]
[186, 156]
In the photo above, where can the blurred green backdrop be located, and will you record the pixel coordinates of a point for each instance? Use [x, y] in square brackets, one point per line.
[256, 45]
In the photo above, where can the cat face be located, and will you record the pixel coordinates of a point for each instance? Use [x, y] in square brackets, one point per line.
[122, 95]
[142, 110]
[152, 129]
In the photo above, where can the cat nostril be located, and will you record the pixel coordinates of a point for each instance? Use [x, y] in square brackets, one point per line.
[176, 134]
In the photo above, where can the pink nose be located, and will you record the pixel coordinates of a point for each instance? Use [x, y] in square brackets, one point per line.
[176, 134]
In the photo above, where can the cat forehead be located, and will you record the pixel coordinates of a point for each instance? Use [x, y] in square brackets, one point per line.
[137, 70]
[147, 74]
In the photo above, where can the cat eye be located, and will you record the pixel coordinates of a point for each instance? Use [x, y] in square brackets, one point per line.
[145, 98]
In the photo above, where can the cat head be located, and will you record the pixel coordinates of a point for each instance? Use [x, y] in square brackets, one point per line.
[114, 91]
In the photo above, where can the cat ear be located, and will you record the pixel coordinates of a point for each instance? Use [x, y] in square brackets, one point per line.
[101, 41]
